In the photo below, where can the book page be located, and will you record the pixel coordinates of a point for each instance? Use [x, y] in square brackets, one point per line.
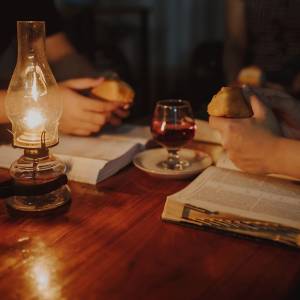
[104, 147]
[82, 169]
[256, 197]
[224, 162]
[113, 166]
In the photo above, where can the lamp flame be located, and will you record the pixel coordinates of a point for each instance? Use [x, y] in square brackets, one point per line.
[33, 119]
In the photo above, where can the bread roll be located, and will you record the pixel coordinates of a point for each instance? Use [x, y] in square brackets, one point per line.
[114, 90]
[229, 102]
[251, 75]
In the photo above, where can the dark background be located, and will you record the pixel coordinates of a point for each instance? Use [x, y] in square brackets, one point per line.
[163, 48]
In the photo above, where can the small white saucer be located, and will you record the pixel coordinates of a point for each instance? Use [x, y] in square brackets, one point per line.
[148, 161]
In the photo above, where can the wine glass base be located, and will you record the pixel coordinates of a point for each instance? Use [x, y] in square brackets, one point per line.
[174, 165]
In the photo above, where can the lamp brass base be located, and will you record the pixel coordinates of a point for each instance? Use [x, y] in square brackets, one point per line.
[31, 173]
[53, 203]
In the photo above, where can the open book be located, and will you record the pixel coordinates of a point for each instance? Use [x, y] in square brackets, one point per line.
[230, 200]
[227, 199]
[89, 159]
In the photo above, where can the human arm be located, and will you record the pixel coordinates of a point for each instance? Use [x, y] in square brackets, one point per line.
[83, 115]
[255, 144]
[67, 63]
[235, 38]
[64, 59]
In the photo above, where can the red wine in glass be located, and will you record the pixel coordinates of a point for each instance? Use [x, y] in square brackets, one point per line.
[172, 127]
[173, 135]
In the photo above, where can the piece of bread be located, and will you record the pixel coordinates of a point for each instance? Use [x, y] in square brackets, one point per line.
[251, 75]
[229, 102]
[114, 90]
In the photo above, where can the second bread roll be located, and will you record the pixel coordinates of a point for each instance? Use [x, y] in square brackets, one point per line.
[251, 75]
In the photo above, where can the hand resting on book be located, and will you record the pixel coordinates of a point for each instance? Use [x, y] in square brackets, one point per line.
[256, 145]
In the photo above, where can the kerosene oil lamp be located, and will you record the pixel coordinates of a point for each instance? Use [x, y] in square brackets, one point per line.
[33, 105]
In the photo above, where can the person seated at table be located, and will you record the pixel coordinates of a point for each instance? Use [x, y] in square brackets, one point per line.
[264, 35]
[82, 115]
[268, 142]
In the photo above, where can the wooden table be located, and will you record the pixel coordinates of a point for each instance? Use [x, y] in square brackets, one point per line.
[112, 244]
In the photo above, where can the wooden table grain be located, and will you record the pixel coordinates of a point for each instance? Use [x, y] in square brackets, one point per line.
[112, 244]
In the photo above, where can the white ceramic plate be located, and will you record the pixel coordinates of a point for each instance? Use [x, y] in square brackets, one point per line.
[148, 161]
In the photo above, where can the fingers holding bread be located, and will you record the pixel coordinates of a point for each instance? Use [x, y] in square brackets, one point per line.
[114, 90]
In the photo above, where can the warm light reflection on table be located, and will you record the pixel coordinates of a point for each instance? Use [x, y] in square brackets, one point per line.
[113, 245]
[41, 270]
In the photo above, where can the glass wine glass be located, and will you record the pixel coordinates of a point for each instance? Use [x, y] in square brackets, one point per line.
[172, 127]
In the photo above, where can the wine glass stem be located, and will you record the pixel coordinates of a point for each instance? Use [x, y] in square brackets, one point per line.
[173, 158]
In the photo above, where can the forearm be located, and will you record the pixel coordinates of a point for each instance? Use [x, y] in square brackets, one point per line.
[73, 65]
[65, 61]
[3, 117]
[286, 158]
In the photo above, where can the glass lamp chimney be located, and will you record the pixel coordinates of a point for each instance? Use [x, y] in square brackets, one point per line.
[32, 102]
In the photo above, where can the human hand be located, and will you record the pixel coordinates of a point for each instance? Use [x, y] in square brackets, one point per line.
[250, 142]
[118, 115]
[83, 115]
[116, 91]
[285, 107]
